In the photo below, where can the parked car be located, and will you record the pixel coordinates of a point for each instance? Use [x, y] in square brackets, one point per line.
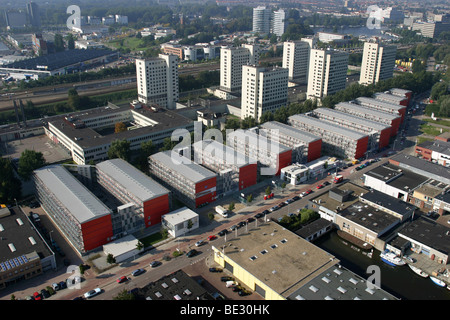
[215, 270]
[137, 272]
[37, 296]
[309, 191]
[92, 293]
[62, 285]
[259, 215]
[326, 183]
[233, 227]
[223, 232]
[199, 243]
[320, 186]
[45, 293]
[296, 198]
[274, 208]
[192, 253]
[122, 279]
[212, 237]
[250, 220]
[226, 278]
[241, 224]
[55, 286]
[154, 264]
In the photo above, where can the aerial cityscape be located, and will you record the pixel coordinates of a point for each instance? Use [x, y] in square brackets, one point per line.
[224, 151]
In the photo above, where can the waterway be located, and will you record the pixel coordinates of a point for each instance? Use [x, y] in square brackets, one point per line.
[398, 281]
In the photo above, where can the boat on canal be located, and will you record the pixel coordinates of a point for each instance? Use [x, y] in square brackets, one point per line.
[418, 271]
[440, 283]
[391, 259]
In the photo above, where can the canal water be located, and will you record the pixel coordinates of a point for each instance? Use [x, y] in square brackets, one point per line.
[400, 281]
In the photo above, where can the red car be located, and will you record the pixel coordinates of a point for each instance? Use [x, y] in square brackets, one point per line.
[309, 191]
[212, 237]
[122, 279]
[320, 186]
[37, 296]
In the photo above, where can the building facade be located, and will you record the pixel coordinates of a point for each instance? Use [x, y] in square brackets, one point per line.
[378, 62]
[376, 104]
[327, 73]
[261, 20]
[263, 90]
[157, 80]
[337, 141]
[279, 22]
[296, 58]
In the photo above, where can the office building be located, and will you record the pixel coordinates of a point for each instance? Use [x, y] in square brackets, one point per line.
[336, 141]
[376, 104]
[268, 153]
[300, 173]
[157, 80]
[261, 20]
[190, 182]
[430, 29]
[279, 22]
[371, 114]
[296, 58]
[120, 19]
[378, 62]
[145, 199]
[305, 146]
[379, 134]
[263, 90]
[235, 170]
[87, 135]
[232, 59]
[80, 216]
[327, 73]
[180, 222]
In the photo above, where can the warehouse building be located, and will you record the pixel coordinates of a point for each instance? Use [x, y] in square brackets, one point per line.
[235, 170]
[269, 153]
[190, 182]
[145, 200]
[80, 216]
[379, 134]
[381, 105]
[305, 146]
[437, 151]
[371, 114]
[59, 63]
[336, 141]
[391, 98]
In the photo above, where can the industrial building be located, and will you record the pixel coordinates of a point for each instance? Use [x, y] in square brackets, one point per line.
[87, 135]
[436, 151]
[190, 182]
[80, 216]
[235, 170]
[379, 134]
[377, 104]
[336, 141]
[145, 200]
[371, 114]
[305, 146]
[59, 63]
[24, 253]
[270, 154]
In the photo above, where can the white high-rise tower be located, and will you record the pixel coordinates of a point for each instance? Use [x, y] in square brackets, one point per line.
[296, 58]
[377, 63]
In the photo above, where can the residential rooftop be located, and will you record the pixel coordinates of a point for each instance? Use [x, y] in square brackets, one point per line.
[290, 131]
[366, 110]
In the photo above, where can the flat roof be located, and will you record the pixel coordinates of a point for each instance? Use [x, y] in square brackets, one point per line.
[290, 131]
[366, 110]
[380, 103]
[88, 138]
[437, 146]
[389, 97]
[24, 238]
[357, 121]
[59, 60]
[276, 256]
[82, 204]
[369, 217]
[133, 180]
[386, 201]
[183, 166]
[326, 126]
[348, 190]
[428, 232]
[339, 283]
[400, 178]
[423, 167]
[180, 215]
[263, 143]
[222, 153]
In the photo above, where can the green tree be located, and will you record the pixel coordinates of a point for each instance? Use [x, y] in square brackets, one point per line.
[444, 106]
[439, 89]
[231, 206]
[110, 259]
[120, 127]
[59, 42]
[248, 122]
[10, 186]
[70, 41]
[119, 149]
[73, 99]
[29, 161]
[139, 246]
[268, 190]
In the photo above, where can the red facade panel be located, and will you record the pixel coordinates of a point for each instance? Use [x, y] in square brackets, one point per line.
[96, 232]
[314, 150]
[402, 113]
[385, 136]
[155, 208]
[361, 147]
[248, 176]
[205, 191]
[284, 160]
[395, 126]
